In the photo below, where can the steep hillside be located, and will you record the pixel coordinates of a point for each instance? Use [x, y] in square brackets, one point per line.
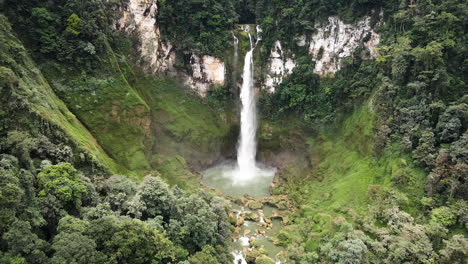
[31, 108]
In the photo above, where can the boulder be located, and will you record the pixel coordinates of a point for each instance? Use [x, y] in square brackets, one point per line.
[254, 204]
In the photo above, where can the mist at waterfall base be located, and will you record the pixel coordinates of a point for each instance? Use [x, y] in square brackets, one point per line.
[244, 176]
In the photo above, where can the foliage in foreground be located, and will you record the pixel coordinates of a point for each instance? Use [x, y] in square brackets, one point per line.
[58, 216]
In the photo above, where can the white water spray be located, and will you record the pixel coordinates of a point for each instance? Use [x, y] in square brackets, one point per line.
[239, 257]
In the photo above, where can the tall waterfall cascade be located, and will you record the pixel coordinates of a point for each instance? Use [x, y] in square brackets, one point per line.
[247, 149]
[244, 175]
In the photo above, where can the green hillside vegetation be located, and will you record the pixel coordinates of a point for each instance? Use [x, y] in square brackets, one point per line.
[28, 101]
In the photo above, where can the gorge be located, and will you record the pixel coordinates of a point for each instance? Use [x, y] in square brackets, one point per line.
[233, 131]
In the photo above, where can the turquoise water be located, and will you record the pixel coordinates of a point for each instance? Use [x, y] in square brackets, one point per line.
[224, 178]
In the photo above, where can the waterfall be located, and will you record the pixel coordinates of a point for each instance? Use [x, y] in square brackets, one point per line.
[239, 258]
[247, 142]
[235, 60]
[244, 175]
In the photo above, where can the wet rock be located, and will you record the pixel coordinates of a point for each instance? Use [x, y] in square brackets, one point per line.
[251, 255]
[336, 40]
[251, 216]
[262, 259]
[238, 200]
[232, 219]
[240, 221]
[254, 204]
[279, 201]
[275, 241]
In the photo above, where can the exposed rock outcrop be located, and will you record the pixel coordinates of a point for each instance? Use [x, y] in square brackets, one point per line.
[336, 40]
[158, 57]
[139, 17]
[279, 66]
[205, 72]
[329, 45]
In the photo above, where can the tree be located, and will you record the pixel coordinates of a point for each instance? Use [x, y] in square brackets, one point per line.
[119, 189]
[195, 225]
[346, 246]
[8, 258]
[153, 198]
[21, 144]
[63, 182]
[75, 248]
[450, 127]
[206, 256]
[444, 216]
[126, 240]
[425, 151]
[23, 242]
[45, 32]
[134, 242]
[10, 197]
[455, 251]
[73, 25]
[410, 245]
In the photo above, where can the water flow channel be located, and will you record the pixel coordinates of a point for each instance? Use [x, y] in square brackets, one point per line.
[245, 176]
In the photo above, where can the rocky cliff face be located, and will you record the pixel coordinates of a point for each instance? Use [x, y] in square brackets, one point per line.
[333, 41]
[336, 40]
[329, 45]
[158, 57]
[139, 17]
[204, 72]
[279, 66]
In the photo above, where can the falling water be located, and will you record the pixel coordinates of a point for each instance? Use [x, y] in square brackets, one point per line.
[247, 142]
[236, 50]
[239, 258]
[236, 58]
[245, 175]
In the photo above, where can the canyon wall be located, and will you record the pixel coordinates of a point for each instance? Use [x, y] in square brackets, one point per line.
[331, 42]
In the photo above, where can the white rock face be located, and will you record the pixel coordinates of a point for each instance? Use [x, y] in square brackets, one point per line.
[158, 57]
[279, 66]
[204, 72]
[336, 40]
[332, 42]
[140, 16]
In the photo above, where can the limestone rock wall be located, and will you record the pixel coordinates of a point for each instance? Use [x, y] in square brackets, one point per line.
[158, 57]
[336, 40]
[278, 67]
[204, 72]
[329, 45]
[139, 17]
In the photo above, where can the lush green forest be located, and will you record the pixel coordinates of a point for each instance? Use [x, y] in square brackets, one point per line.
[100, 160]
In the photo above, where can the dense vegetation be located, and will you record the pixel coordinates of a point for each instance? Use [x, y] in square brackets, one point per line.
[402, 155]
[388, 141]
[59, 202]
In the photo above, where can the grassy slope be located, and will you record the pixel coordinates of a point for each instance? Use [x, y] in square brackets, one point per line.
[184, 128]
[143, 122]
[109, 106]
[35, 90]
[129, 122]
[338, 184]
